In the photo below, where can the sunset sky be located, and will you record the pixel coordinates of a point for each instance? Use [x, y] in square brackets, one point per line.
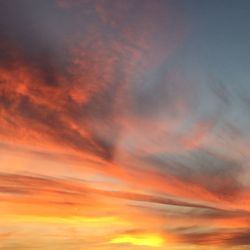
[124, 124]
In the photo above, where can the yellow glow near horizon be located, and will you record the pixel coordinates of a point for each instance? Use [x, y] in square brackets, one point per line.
[75, 220]
[150, 240]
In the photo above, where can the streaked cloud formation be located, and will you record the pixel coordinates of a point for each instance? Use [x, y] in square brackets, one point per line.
[124, 125]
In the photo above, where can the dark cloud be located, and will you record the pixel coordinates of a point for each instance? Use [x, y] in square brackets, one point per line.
[216, 173]
[222, 214]
[226, 238]
[27, 39]
[63, 71]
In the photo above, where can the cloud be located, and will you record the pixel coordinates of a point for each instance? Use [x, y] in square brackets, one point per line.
[96, 89]
[227, 238]
[60, 90]
[49, 188]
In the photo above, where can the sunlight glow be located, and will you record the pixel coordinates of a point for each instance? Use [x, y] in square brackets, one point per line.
[151, 240]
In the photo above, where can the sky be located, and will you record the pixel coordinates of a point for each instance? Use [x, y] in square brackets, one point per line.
[124, 124]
